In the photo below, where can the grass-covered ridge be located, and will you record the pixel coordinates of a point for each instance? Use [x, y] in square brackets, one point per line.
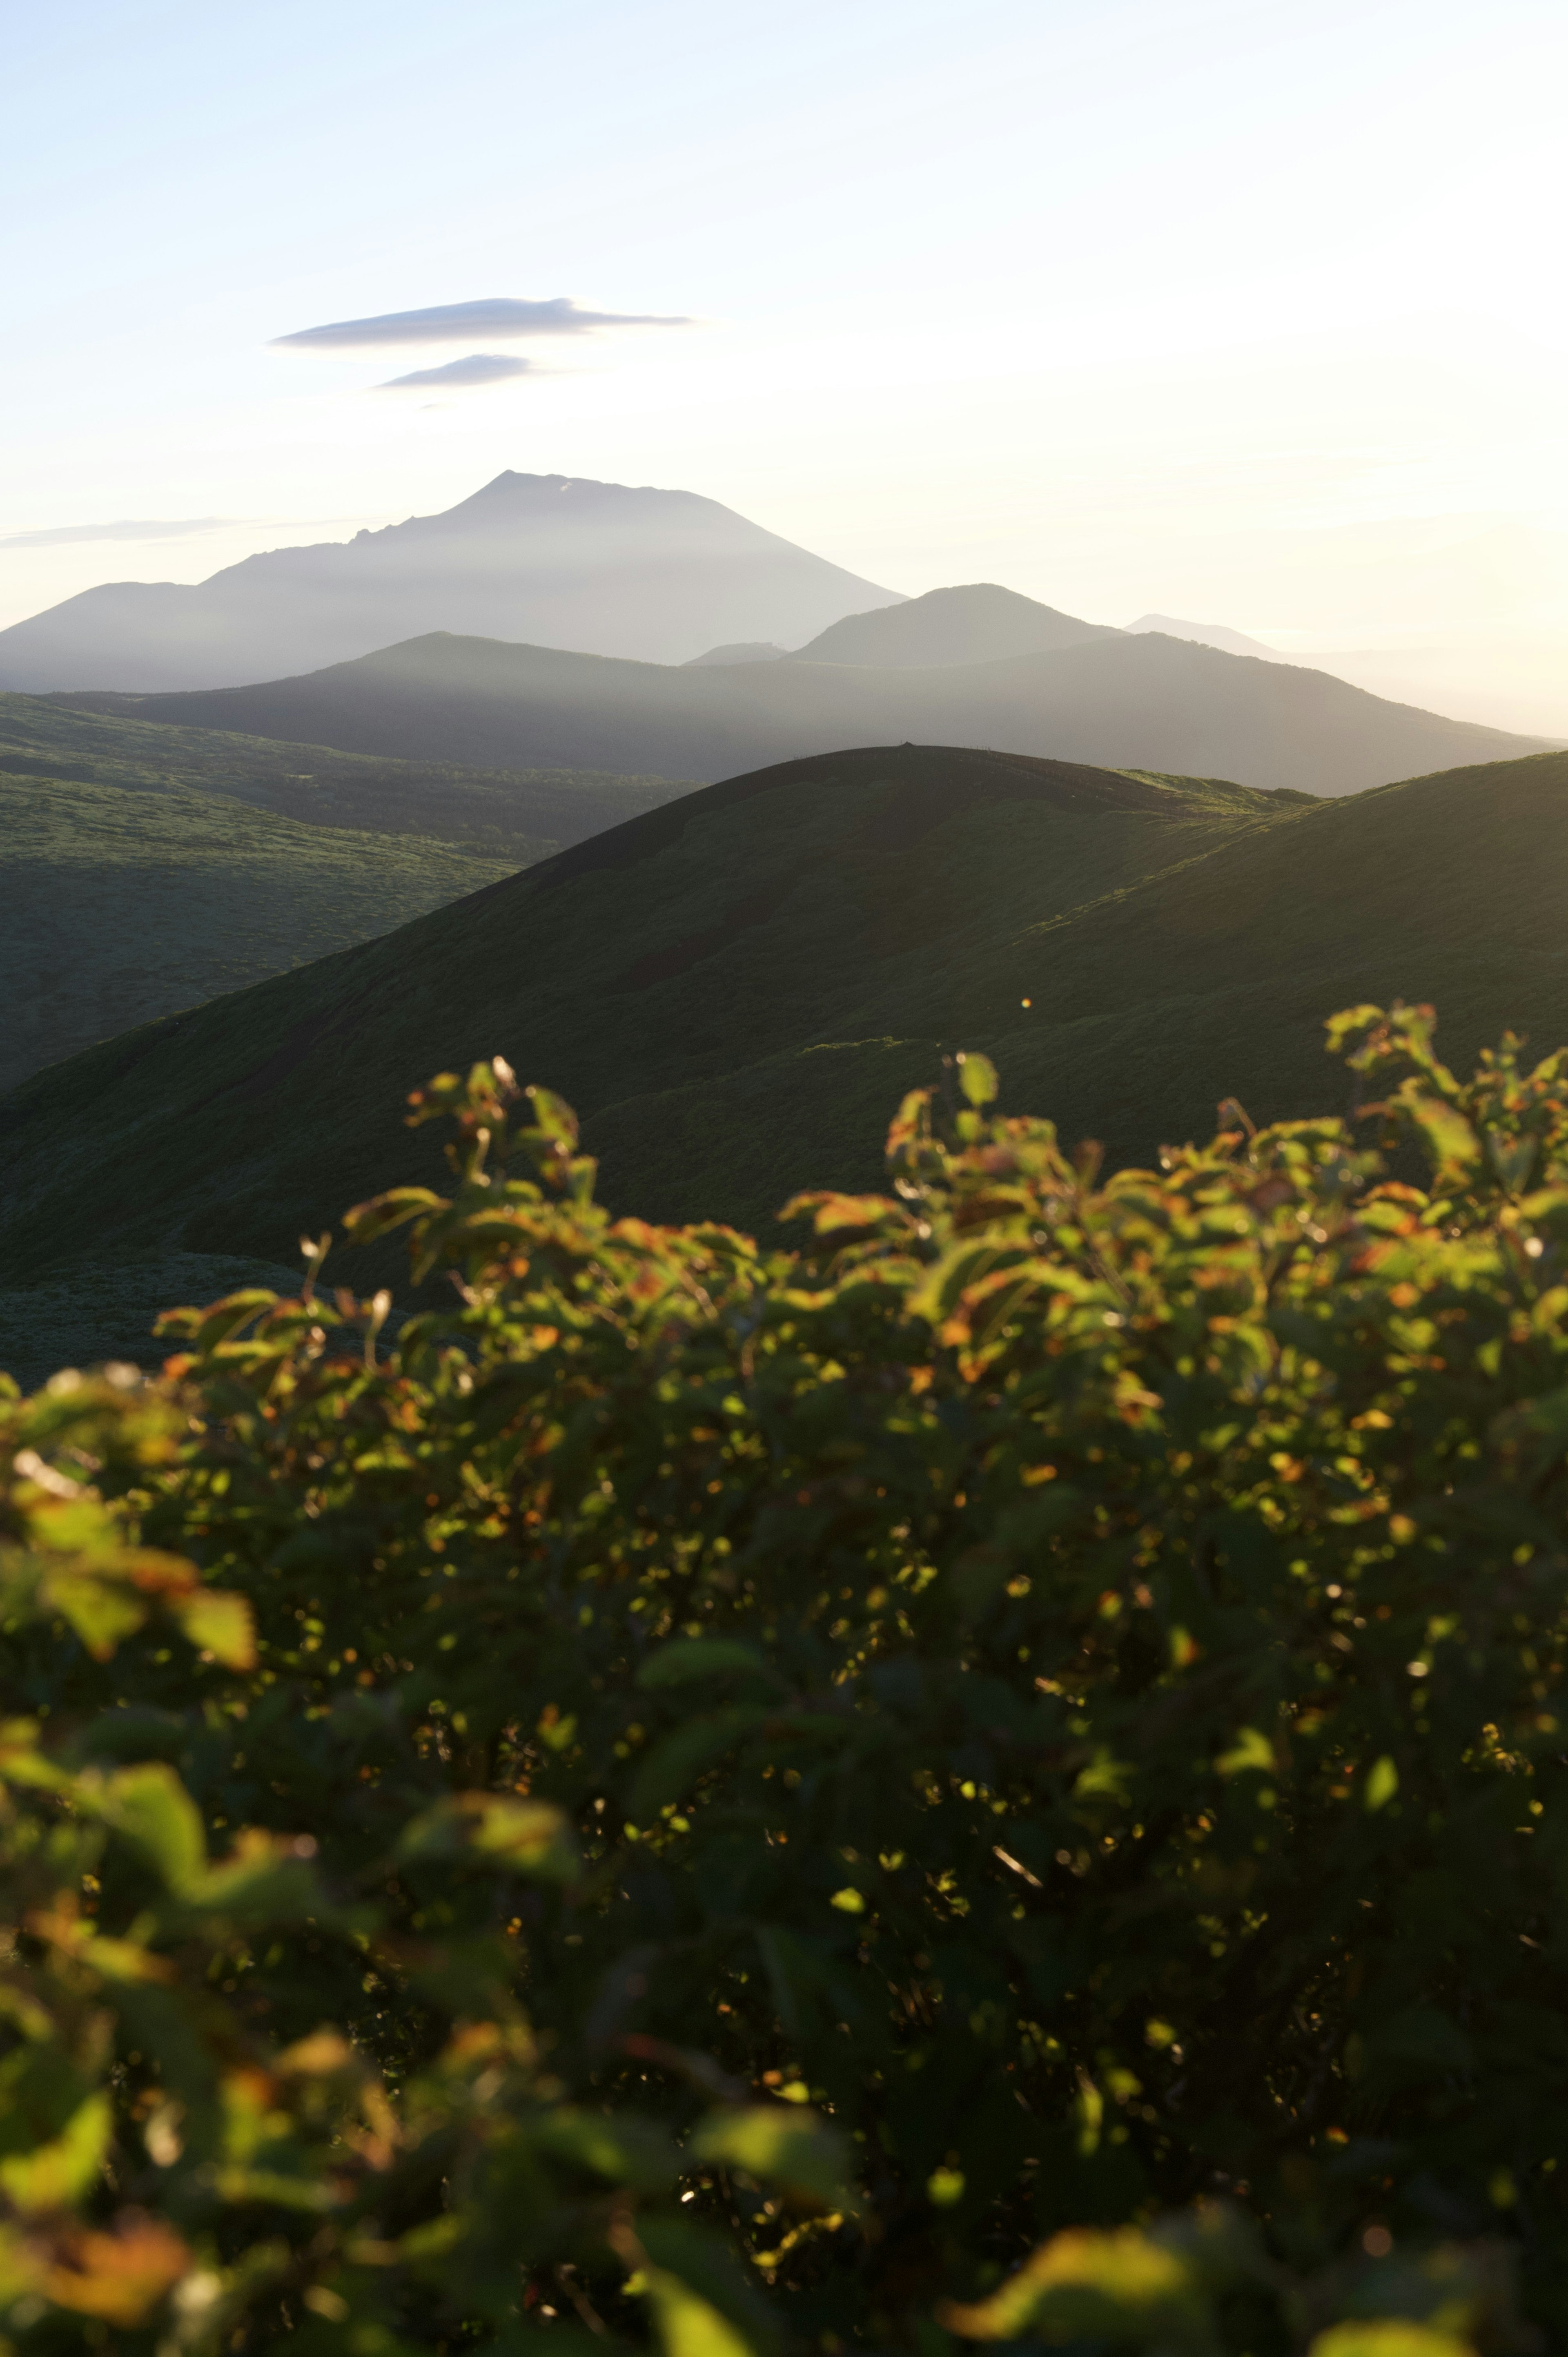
[995, 1774]
[123, 905]
[731, 988]
[147, 869]
[859, 898]
[514, 815]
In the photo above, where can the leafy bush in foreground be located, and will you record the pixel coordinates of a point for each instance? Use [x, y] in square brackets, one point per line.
[756, 1789]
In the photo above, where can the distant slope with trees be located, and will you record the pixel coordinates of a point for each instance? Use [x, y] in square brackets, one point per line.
[517, 814]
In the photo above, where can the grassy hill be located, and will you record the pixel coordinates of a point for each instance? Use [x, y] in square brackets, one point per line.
[1111, 700]
[122, 905]
[517, 815]
[146, 867]
[702, 946]
[734, 989]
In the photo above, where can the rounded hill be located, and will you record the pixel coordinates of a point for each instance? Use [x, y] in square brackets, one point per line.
[735, 988]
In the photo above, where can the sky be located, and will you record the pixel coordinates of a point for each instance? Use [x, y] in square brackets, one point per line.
[1242, 311]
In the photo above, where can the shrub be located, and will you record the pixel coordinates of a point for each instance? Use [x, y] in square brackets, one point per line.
[775, 1783]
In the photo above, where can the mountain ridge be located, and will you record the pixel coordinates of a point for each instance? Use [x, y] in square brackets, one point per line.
[969, 622]
[1111, 700]
[1206, 634]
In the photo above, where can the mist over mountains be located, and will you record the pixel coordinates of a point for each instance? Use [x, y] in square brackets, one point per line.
[603, 568]
[1087, 695]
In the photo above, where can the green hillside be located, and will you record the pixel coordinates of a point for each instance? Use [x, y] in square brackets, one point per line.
[699, 947]
[517, 815]
[123, 905]
[733, 991]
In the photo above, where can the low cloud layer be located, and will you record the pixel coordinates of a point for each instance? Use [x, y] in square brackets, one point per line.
[480, 368]
[458, 323]
[60, 535]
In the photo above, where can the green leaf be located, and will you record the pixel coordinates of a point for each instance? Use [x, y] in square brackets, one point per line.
[225, 1318]
[100, 1608]
[1388, 2337]
[55, 2174]
[1120, 2286]
[499, 1829]
[367, 1221]
[1106, 1778]
[688, 2264]
[262, 1881]
[787, 2148]
[552, 1116]
[152, 1809]
[977, 1077]
[1382, 1783]
[689, 2326]
[1450, 1142]
[221, 1624]
[1251, 1751]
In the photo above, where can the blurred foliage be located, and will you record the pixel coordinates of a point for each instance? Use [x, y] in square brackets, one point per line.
[997, 1776]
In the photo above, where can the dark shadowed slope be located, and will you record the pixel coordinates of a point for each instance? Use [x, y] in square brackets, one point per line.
[831, 899]
[1116, 701]
[976, 623]
[734, 989]
[554, 559]
[518, 815]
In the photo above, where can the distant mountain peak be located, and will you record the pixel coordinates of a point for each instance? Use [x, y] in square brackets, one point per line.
[972, 622]
[1206, 634]
[750, 650]
[561, 560]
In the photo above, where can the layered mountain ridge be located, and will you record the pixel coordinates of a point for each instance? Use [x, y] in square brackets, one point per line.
[1082, 692]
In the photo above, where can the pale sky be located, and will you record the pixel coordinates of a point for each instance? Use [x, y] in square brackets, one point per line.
[1240, 310]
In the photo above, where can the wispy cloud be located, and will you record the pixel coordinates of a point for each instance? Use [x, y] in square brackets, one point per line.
[480, 368]
[60, 535]
[458, 323]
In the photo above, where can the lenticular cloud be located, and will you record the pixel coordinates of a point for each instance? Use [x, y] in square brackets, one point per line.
[478, 368]
[450, 323]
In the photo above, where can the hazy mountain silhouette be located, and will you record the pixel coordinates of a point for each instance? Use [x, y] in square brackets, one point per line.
[603, 567]
[746, 650]
[1108, 698]
[978, 622]
[1207, 634]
